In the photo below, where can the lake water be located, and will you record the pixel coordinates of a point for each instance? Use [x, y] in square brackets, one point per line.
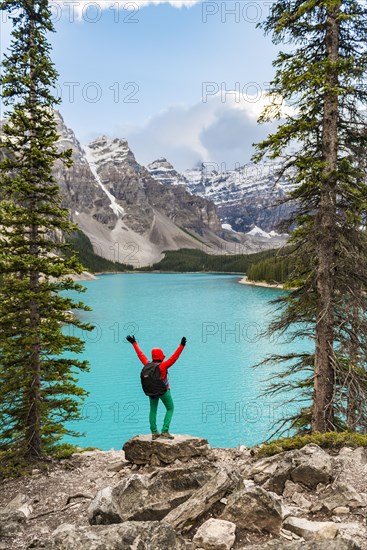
[214, 388]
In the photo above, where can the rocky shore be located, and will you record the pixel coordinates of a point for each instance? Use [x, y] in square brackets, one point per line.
[163, 495]
[246, 281]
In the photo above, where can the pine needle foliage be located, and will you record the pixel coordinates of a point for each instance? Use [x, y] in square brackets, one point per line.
[39, 389]
[319, 96]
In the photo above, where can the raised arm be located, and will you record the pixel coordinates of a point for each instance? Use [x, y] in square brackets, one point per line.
[139, 353]
[169, 362]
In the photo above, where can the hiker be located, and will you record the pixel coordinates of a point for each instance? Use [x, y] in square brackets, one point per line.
[154, 379]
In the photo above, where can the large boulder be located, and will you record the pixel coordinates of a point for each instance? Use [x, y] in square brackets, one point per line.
[146, 535]
[255, 509]
[311, 530]
[215, 534]
[310, 466]
[141, 449]
[146, 497]
[184, 516]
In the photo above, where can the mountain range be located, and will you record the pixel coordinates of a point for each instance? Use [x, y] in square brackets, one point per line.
[245, 197]
[132, 213]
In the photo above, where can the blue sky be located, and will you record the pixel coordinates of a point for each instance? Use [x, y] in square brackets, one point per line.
[139, 71]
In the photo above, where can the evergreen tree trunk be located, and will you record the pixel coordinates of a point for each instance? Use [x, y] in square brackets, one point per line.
[325, 225]
[33, 432]
[33, 424]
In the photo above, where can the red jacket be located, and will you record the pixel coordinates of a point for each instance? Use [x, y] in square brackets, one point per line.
[157, 354]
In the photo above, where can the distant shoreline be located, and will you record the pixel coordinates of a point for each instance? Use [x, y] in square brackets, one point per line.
[170, 272]
[245, 281]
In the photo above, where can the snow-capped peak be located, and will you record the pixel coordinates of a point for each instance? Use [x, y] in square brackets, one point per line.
[163, 171]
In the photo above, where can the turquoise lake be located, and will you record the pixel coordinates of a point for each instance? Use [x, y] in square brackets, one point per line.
[214, 388]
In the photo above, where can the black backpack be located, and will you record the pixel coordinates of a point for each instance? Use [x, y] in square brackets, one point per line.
[151, 380]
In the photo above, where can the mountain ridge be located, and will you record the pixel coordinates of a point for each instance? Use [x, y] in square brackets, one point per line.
[245, 197]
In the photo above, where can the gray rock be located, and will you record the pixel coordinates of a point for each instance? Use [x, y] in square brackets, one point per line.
[185, 515]
[273, 472]
[336, 544]
[341, 510]
[13, 517]
[301, 501]
[358, 455]
[254, 509]
[290, 488]
[148, 535]
[340, 495]
[310, 466]
[311, 530]
[20, 503]
[145, 497]
[117, 466]
[141, 449]
[215, 534]
[11, 522]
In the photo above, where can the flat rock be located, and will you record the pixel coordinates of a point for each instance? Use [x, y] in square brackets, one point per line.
[118, 466]
[311, 530]
[341, 510]
[141, 449]
[147, 497]
[215, 534]
[154, 535]
[254, 509]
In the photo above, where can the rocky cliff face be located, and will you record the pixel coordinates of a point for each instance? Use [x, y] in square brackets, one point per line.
[244, 197]
[139, 194]
[80, 190]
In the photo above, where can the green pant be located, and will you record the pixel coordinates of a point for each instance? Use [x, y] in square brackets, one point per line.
[168, 403]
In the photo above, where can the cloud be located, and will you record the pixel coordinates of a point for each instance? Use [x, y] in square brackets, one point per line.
[212, 131]
[174, 3]
[133, 5]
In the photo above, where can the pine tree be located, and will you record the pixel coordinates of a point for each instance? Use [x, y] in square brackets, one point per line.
[38, 371]
[323, 143]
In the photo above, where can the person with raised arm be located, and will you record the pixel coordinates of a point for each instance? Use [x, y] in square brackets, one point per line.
[154, 380]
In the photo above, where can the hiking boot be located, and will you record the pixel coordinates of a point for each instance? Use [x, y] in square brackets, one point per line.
[155, 435]
[167, 435]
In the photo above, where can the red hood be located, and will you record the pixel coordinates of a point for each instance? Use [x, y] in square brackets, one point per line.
[157, 354]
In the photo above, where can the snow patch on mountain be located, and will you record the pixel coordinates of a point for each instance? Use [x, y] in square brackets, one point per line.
[258, 232]
[92, 161]
[228, 227]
